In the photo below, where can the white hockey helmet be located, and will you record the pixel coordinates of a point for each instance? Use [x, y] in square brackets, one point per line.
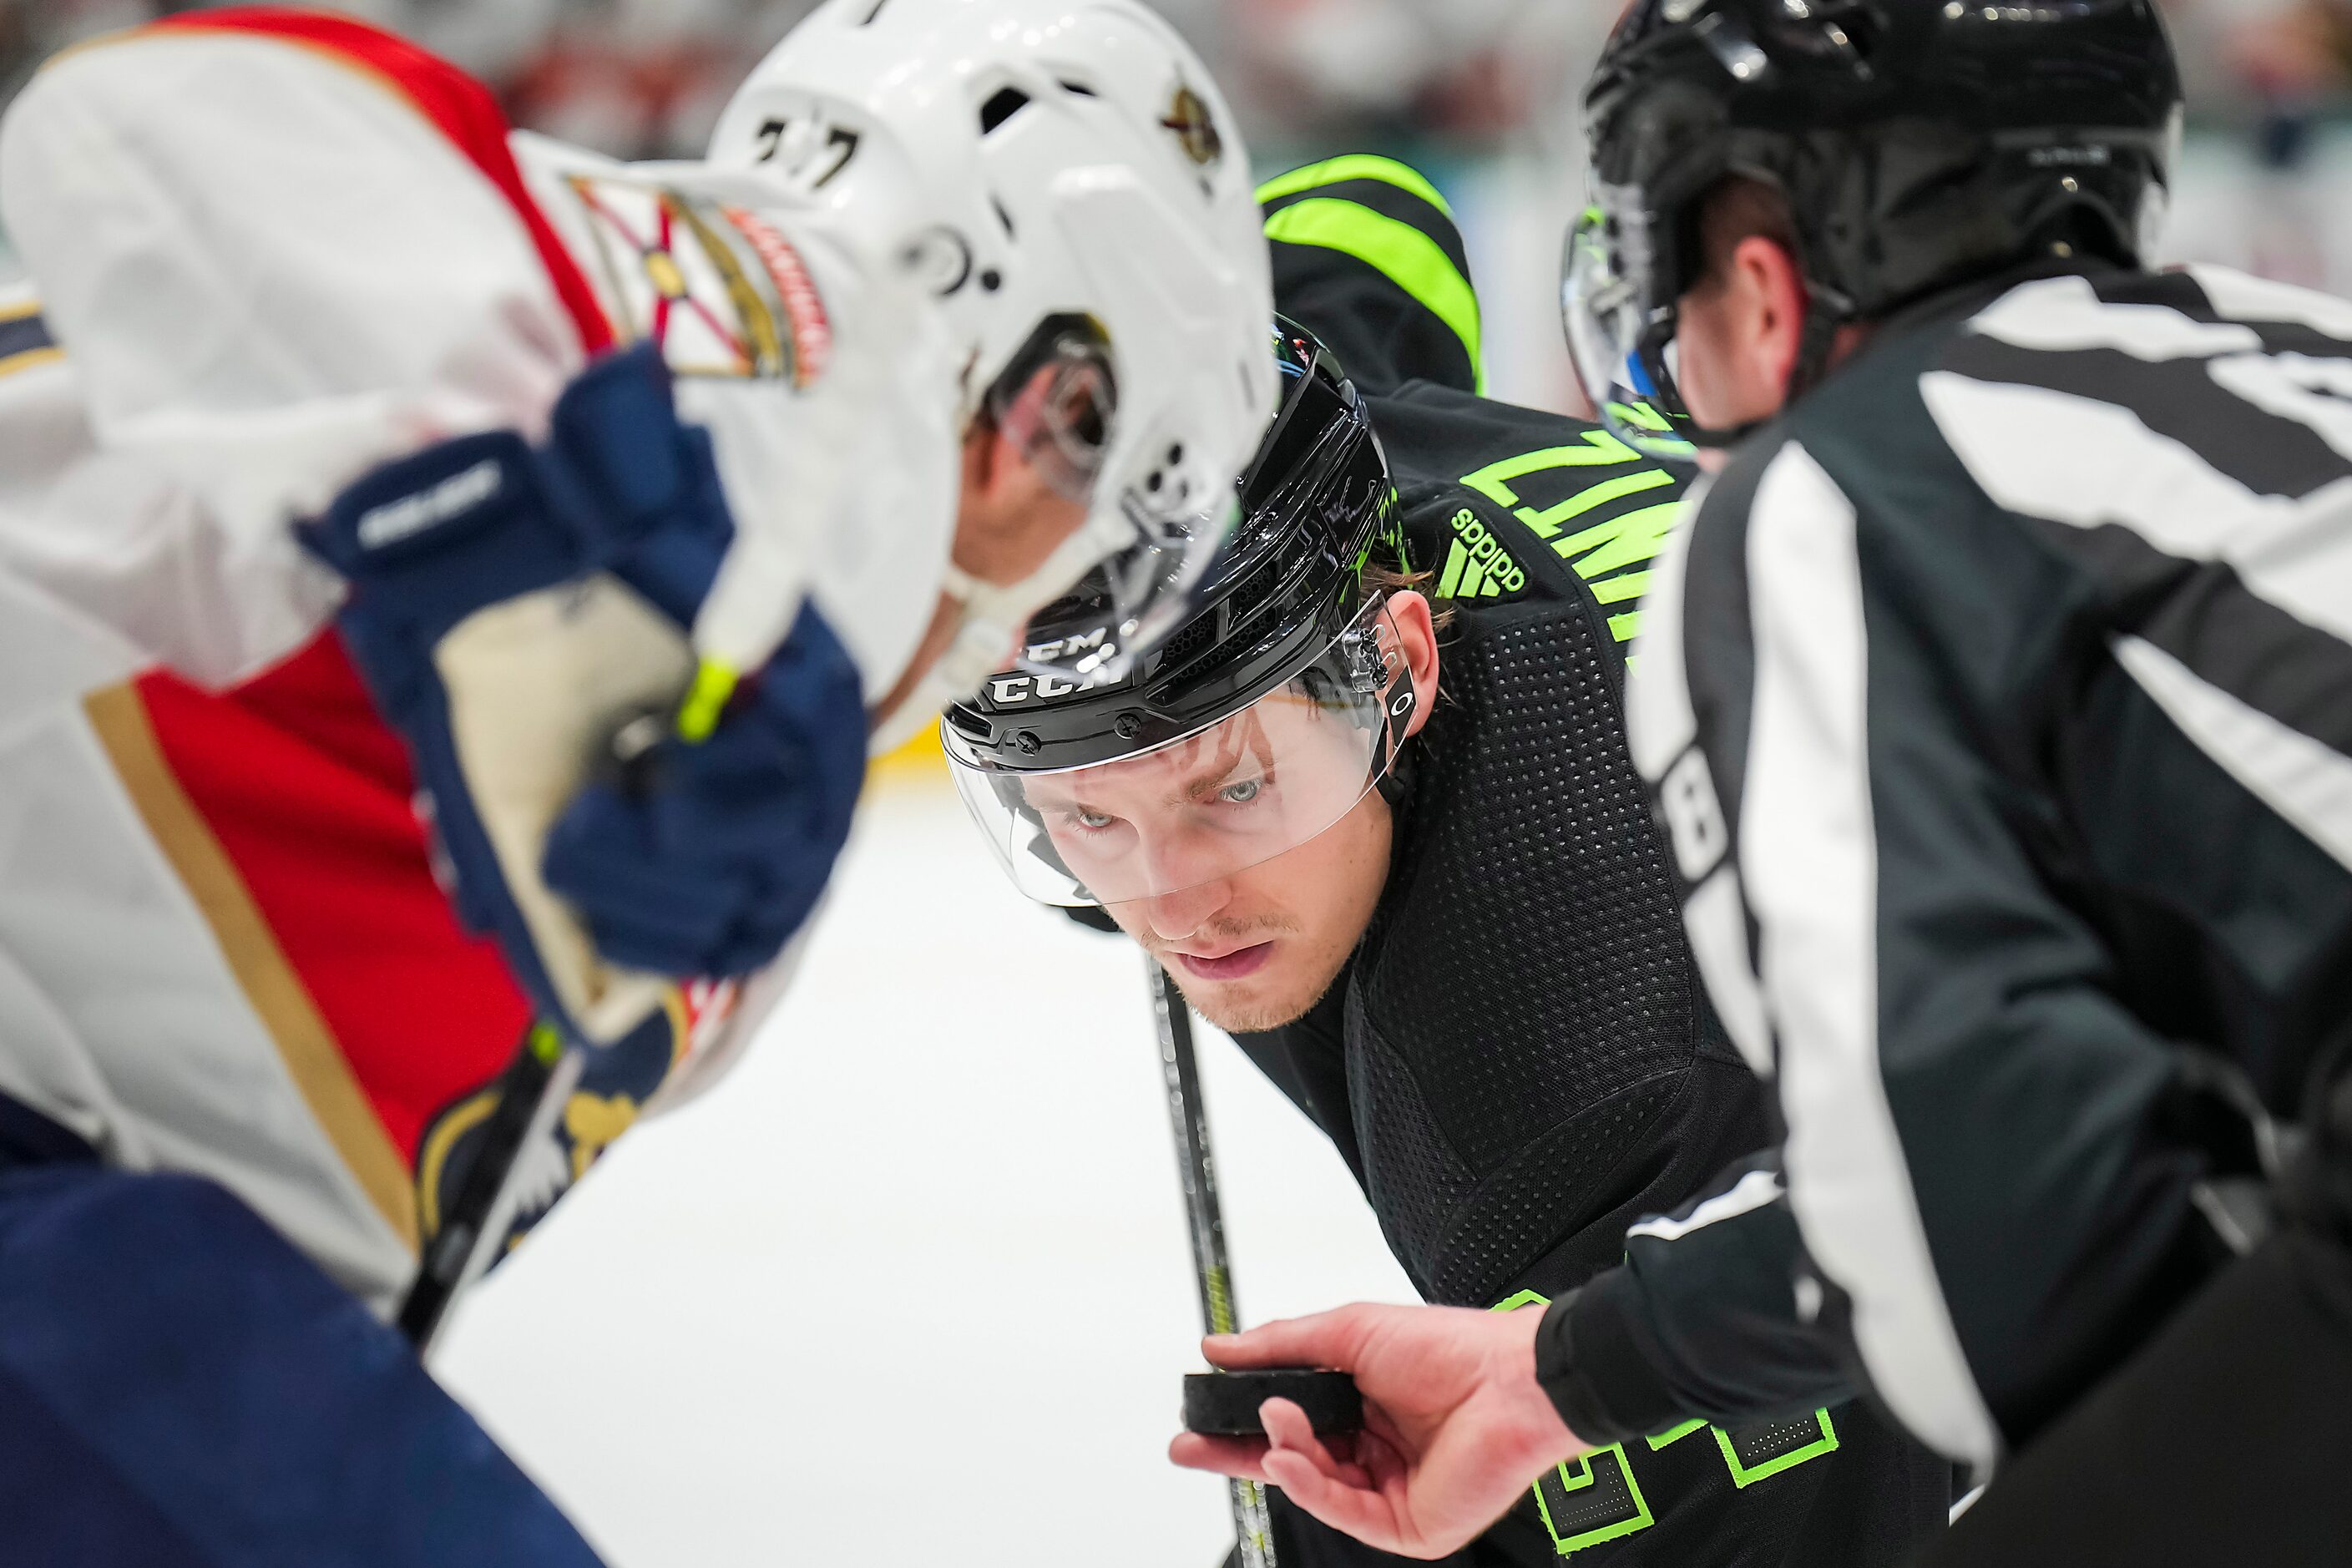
[1068, 182]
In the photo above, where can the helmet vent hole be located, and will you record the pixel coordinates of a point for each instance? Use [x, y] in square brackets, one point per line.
[1077, 89]
[870, 16]
[1003, 217]
[1008, 103]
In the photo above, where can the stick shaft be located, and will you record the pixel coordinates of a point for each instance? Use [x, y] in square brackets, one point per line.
[1205, 1217]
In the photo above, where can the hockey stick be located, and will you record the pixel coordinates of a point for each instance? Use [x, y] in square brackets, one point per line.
[1253, 1524]
[531, 1093]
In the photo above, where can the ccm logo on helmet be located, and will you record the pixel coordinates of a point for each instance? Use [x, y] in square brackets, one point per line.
[1063, 648]
[1016, 690]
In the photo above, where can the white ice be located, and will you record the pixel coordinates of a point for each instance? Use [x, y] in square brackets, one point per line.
[911, 1287]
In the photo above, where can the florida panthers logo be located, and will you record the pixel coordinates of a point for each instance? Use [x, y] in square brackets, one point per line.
[1195, 128]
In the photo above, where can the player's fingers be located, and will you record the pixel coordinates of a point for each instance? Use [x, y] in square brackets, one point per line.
[1242, 1456]
[1287, 1426]
[1379, 1424]
[1325, 1339]
[1351, 1510]
[1382, 1463]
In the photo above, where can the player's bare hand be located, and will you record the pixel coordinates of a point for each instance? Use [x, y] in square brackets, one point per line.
[1455, 1425]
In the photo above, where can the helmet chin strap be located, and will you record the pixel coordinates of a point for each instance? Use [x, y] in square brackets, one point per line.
[990, 616]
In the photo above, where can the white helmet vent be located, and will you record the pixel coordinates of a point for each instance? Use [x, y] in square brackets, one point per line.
[1008, 103]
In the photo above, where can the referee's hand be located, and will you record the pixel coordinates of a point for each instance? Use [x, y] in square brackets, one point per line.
[1455, 1425]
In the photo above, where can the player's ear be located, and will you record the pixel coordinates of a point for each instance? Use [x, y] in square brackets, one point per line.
[1773, 287]
[1416, 633]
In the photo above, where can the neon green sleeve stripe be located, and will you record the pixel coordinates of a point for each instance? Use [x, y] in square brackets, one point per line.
[1410, 258]
[1617, 590]
[1354, 166]
[1632, 539]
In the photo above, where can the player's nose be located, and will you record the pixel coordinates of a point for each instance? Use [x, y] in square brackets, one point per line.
[1178, 915]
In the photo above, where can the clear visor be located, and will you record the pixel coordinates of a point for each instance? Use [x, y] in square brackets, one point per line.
[1237, 794]
[1622, 345]
[1060, 420]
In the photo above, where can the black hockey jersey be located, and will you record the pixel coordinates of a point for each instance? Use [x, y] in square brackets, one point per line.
[1519, 1062]
[2002, 709]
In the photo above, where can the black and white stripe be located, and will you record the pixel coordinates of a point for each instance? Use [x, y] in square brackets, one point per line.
[2307, 783]
[1811, 878]
[1701, 812]
[2188, 440]
[1782, 917]
[1753, 1190]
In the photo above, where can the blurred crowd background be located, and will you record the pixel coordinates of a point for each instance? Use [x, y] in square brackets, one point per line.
[1481, 93]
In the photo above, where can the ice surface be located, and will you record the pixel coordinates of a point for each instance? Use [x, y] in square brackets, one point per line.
[912, 1287]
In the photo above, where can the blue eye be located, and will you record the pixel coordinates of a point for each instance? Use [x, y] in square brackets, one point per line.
[1242, 794]
[1094, 819]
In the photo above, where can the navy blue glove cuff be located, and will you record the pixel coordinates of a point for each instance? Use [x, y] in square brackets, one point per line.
[619, 488]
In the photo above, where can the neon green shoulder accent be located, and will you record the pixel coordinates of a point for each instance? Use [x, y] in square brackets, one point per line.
[1411, 259]
[1354, 166]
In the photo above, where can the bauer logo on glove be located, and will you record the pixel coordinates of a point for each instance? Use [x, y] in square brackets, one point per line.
[396, 520]
[515, 611]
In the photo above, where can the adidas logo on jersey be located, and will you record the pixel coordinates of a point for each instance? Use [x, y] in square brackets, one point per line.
[1478, 566]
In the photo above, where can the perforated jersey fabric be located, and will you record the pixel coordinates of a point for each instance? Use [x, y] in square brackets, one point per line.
[1520, 1060]
[1524, 1024]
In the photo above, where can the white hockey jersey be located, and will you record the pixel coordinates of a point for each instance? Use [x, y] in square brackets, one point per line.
[270, 251]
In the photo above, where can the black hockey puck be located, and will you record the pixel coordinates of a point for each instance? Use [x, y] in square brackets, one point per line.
[1225, 1403]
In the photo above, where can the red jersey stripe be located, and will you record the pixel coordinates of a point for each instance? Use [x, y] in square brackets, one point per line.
[309, 796]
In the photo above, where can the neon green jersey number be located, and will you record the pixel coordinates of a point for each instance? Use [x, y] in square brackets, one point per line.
[1598, 1498]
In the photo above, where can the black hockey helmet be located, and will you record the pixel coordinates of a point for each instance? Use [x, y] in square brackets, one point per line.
[1285, 637]
[1919, 145]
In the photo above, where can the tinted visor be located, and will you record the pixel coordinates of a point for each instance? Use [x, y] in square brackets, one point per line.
[1241, 791]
